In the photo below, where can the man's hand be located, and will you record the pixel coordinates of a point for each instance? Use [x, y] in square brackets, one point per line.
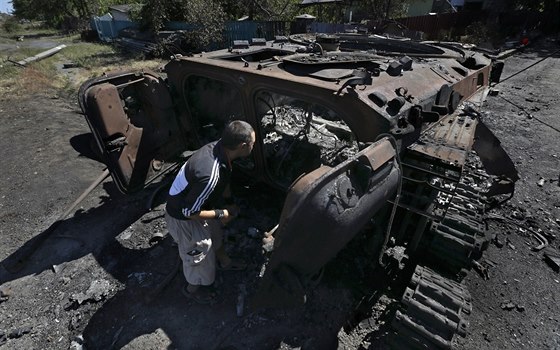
[230, 213]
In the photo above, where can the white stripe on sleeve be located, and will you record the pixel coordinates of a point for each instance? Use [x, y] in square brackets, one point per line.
[212, 182]
[180, 182]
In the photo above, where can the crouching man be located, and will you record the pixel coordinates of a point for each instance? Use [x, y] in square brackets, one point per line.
[193, 216]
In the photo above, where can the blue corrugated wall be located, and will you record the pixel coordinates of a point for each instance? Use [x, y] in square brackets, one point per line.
[108, 29]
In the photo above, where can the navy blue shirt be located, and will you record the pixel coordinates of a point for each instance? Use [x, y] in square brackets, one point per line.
[200, 183]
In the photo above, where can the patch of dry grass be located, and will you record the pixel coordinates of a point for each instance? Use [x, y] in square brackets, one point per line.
[36, 77]
[48, 76]
[127, 64]
[118, 63]
[33, 80]
[14, 79]
[94, 59]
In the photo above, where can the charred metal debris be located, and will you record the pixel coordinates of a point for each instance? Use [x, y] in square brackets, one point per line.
[381, 137]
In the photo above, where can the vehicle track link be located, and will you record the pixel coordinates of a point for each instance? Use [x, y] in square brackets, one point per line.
[461, 236]
[435, 309]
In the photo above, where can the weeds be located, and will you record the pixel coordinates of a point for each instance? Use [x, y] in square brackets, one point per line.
[88, 55]
[49, 76]
[11, 25]
[13, 76]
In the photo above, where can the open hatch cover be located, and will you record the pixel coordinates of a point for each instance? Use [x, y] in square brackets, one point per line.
[132, 119]
[323, 211]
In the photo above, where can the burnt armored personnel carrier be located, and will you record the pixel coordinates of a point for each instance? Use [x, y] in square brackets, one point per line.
[379, 135]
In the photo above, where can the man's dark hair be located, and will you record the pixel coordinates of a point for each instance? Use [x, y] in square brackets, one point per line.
[236, 133]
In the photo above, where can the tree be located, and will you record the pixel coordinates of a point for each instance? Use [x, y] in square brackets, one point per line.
[154, 14]
[207, 18]
[265, 10]
[54, 12]
[41, 10]
[533, 4]
[550, 10]
[11, 25]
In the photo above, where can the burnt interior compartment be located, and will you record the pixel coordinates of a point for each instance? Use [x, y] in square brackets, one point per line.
[211, 104]
[329, 62]
[134, 124]
[148, 107]
[381, 45]
[299, 136]
[255, 56]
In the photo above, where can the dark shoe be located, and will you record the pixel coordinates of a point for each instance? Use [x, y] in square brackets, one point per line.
[236, 264]
[204, 295]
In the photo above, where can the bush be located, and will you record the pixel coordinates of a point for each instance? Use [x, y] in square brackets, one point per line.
[11, 25]
[478, 33]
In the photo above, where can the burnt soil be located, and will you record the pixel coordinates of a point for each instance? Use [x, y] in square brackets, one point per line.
[95, 279]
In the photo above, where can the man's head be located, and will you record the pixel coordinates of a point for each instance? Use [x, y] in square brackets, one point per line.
[238, 138]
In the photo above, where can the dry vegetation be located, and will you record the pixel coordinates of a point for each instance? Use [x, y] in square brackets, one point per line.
[48, 75]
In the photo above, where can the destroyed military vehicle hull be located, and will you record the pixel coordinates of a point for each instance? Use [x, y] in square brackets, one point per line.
[379, 137]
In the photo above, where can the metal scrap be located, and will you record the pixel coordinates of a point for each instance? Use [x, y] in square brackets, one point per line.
[481, 270]
[540, 238]
[19, 332]
[497, 242]
[507, 305]
[552, 258]
[58, 268]
[77, 343]
[15, 333]
[543, 242]
[97, 291]
[5, 294]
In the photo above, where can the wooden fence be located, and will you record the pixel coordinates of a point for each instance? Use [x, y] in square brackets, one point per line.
[432, 25]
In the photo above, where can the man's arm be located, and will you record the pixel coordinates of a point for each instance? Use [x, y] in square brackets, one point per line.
[222, 214]
[198, 195]
[200, 190]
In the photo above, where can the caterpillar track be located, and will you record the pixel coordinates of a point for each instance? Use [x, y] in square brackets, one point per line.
[435, 310]
[435, 305]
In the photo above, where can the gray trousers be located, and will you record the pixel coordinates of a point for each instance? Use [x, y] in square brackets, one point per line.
[197, 241]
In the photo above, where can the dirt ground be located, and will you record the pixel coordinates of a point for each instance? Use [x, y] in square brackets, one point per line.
[93, 283]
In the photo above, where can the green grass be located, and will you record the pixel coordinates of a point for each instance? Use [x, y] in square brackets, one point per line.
[22, 52]
[88, 55]
[8, 71]
[36, 29]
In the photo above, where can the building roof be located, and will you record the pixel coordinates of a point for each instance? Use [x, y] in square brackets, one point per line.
[315, 2]
[305, 16]
[122, 8]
